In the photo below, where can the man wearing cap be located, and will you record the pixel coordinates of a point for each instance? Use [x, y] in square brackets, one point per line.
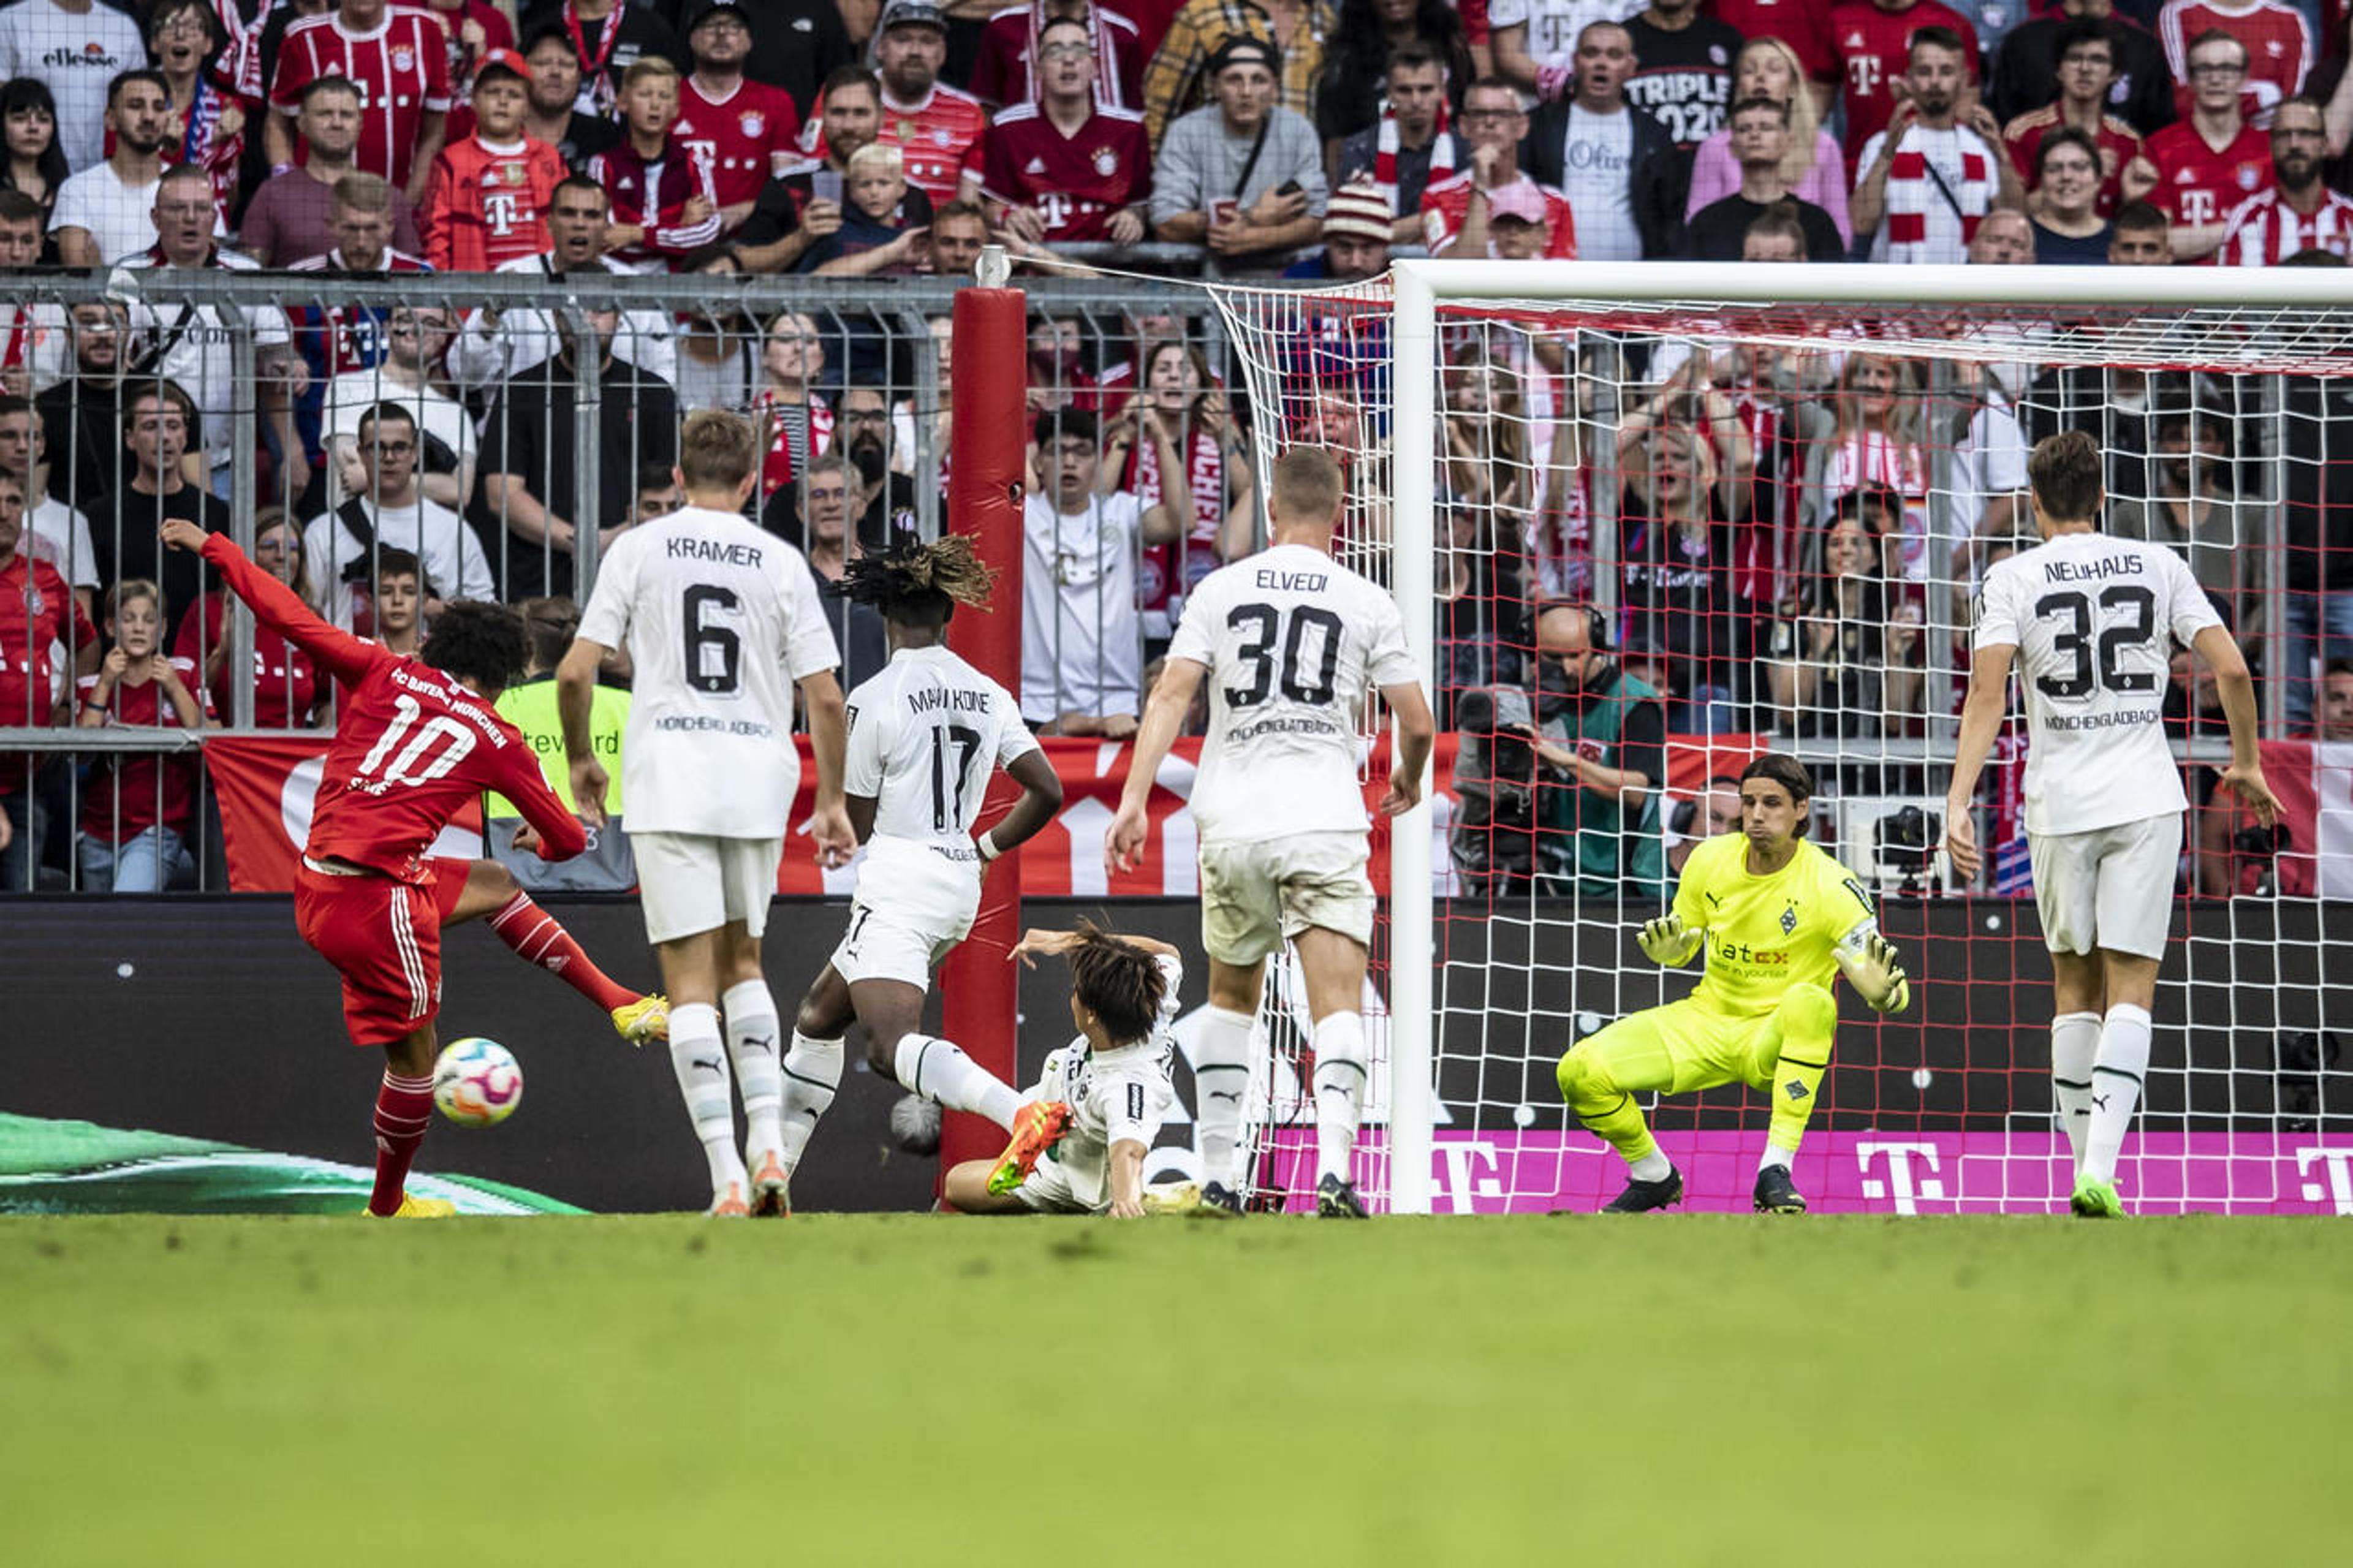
[1181, 77]
[608, 37]
[1356, 227]
[1616, 165]
[742, 131]
[794, 45]
[1455, 210]
[1244, 176]
[487, 201]
[1069, 166]
[937, 130]
[400, 61]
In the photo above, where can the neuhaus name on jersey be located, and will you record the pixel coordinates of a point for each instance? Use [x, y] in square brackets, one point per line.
[2091, 570]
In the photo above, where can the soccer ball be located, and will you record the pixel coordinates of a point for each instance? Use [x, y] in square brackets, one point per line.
[477, 1082]
[915, 1124]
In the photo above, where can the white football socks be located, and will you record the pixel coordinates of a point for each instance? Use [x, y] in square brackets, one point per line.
[812, 1073]
[1653, 1167]
[1221, 1055]
[2116, 1077]
[1776, 1155]
[752, 1036]
[700, 1059]
[1340, 1073]
[2074, 1044]
[938, 1070]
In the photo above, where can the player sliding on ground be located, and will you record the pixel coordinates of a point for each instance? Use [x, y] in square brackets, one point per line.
[1290, 639]
[2093, 620]
[1776, 916]
[417, 740]
[925, 736]
[721, 621]
[1113, 1076]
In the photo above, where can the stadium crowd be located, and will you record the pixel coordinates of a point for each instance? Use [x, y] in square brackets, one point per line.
[1784, 524]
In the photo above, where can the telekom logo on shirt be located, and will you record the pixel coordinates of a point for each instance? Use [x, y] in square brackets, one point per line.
[499, 210]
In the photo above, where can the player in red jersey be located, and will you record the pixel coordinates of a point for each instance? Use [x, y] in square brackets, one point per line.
[400, 61]
[2276, 37]
[419, 739]
[2202, 167]
[1874, 38]
[487, 201]
[742, 131]
[1069, 166]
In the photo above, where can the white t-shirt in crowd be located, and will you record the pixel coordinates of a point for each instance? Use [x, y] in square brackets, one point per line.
[1080, 650]
[121, 218]
[2094, 620]
[1597, 164]
[720, 619]
[1290, 639]
[77, 55]
[450, 552]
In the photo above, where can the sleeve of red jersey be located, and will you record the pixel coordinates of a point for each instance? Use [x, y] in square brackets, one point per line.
[275, 605]
[438, 96]
[292, 75]
[440, 204]
[673, 236]
[561, 837]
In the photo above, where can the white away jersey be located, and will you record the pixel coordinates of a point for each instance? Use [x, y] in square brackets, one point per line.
[924, 734]
[2094, 620]
[720, 619]
[1115, 1096]
[1291, 639]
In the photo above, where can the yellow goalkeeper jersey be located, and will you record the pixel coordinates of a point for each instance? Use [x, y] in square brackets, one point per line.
[1764, 933]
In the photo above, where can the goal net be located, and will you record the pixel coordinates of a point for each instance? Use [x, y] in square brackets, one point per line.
[1668, 519]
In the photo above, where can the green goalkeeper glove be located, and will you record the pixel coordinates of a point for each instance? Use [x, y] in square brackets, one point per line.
[1667, 941]
[1877, 973]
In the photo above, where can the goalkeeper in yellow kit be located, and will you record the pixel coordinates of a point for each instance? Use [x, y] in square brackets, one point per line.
[1777, 915]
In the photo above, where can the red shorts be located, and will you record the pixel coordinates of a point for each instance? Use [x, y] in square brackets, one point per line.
[449, 875]
[385, 938]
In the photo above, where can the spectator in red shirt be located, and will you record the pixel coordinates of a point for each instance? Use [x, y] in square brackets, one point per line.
[137, 805]
[2277, 39]
[2201, 167]
[2299, 212]
[491, 192]
[742, 133]
[291, 217]
[659, 197]
[938, 128]
[286, 691]
[399, 58]
[1069, 167]
[2087, 71]
[1005, 72]
[37, 615]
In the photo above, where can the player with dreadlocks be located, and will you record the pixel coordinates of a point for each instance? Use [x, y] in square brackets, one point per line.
[924, 736]
[1113, 1076]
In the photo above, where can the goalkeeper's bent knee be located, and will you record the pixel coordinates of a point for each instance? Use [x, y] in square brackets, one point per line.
[1807, 1012]
[1586, 1082]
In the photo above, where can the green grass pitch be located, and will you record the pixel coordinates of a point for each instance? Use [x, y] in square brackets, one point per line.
[851, 1390]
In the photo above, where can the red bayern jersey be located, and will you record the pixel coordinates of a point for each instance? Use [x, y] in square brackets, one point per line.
[39, 617]
[2119, 145]
[2277, 39]
[401, 70]
[2263, 231]
[1877, 47]
[412, 747]
[285, 686]
[2197, 184]
[1004, 73]
[487, 204]
[941, 138]
[1803, 25]
[652, 194]
[1444, 202]
[744, 139]
[1074, 182]
[129, 794]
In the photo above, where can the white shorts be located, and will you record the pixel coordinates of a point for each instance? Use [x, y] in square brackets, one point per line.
[1256, 894]
[905, 916]
[2110, 888]
[693, 882]
[1047, 1190]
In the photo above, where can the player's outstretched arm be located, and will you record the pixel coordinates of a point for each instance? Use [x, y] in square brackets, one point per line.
[575, 696]
[555, 833]
[276, 605]
[1038, 942]
[1982, 713]
[1163, 715]
[1127, 1180]
[1417, 732]
[1668, 941]
[2236, 688]
[1877, 971]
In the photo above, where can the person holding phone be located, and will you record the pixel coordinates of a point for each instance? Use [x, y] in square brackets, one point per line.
[1244, 176]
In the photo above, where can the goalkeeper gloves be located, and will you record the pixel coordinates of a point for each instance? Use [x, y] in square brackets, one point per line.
[1667, 941]
[1877, 973]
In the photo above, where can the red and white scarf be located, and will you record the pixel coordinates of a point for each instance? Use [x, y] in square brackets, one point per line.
[597, 92]
[1385, 155]
[1205, 482]
[1107, 90]
[1920, 222]
[778, 468]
